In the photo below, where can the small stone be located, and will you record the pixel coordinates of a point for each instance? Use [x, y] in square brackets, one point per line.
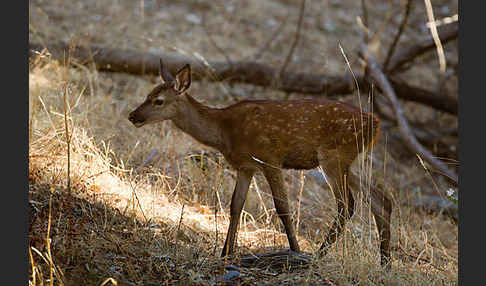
[231, 267]
[191, 18]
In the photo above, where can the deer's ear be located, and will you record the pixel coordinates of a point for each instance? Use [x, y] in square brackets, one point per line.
[183, 79]
[165, 75]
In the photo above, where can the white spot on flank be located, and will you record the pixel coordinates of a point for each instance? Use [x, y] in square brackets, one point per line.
[193, 19]
[258, 160]
[264, 163]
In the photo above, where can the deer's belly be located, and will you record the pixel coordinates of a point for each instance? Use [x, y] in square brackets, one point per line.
[300, 160]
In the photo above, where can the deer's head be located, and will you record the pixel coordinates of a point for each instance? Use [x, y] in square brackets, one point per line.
[164, 100]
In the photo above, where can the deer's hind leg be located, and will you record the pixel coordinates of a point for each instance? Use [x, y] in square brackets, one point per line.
[336, 168]
[381, 207]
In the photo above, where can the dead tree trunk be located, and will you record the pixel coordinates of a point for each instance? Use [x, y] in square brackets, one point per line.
[255, 73]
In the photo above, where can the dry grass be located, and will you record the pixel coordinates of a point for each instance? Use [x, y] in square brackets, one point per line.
[165, 223]
[159, 224]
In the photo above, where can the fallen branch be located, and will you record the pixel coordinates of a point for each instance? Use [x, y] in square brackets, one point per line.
[409, 139]
[277, 260]
[114, 60]
[409, 92]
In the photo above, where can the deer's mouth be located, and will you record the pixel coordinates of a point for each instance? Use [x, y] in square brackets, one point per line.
[139, 124]
[136, 121]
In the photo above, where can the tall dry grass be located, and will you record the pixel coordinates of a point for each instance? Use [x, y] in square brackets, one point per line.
[165, 222]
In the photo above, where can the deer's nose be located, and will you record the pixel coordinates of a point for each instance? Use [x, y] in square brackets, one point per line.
[132, 117]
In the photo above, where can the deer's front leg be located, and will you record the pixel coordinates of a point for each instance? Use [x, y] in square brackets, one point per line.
[280, 199]
[237, 201]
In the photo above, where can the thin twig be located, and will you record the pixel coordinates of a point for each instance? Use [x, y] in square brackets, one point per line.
[444, 21]
[66, 105]
[48, 239]
[435, 35]
[364, 10]
[217, 200]
[215, 226]
[178, 229]
[265, 47]
[296, 40]
[138, 201]
[259, 191]
[366, 30]
[218, 48]
[111, 280]
[406, 12]
[68, 140]
[154, 154]
[375, 41]
[210, 70]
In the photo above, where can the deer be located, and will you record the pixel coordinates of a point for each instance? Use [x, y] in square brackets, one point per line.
[269, 136]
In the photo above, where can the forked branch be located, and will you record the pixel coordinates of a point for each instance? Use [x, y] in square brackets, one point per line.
[409, 139]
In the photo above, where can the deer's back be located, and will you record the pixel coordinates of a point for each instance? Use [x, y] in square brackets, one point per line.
[290, 133]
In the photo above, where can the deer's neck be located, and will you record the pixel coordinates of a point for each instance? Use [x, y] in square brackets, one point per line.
[201, 123]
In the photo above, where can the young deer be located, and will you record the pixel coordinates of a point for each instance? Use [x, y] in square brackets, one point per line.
[268, 136]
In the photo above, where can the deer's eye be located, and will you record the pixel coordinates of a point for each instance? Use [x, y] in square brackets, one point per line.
[158, 102]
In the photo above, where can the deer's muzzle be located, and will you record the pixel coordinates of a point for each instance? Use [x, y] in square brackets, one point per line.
[135, 119]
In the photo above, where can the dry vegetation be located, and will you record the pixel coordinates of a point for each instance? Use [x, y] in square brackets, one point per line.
[165, 223]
